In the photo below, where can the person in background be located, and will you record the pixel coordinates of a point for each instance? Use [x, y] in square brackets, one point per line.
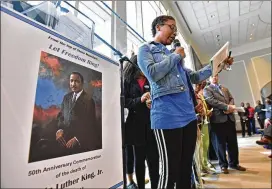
[250, 117]
[260, 113]
[137, 126]
[205, 116]
[223, 124]
[244, 121]
[212, 154]
[266, 139]
[201, 167]
[268, 108]
[130, 166]
[197, 180]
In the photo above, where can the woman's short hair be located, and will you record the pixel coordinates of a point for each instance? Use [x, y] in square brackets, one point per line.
[160, 20]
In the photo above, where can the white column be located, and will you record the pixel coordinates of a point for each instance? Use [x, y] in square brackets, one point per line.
[119, 33]
[139, 11]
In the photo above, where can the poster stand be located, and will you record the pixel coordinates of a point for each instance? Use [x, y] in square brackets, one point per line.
[45, 29]
[122, 98]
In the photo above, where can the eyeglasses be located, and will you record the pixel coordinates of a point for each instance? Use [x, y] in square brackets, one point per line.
[172, 27]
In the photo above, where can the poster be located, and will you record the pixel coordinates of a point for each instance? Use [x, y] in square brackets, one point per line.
[60, 109]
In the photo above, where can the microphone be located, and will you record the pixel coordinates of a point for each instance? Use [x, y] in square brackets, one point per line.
[175, 44]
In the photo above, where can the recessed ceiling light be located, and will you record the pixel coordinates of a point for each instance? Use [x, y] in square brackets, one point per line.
[251, 34]
[253, 24]
[250, 38]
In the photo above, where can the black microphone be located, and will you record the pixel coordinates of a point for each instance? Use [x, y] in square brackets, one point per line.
[175, 44]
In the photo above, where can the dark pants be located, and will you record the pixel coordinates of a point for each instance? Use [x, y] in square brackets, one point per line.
[129, 159]
[176, 149]
[226, 139]
[261, 123]
[149, 153]
[212, 153]
[244, 124]
[251, 122]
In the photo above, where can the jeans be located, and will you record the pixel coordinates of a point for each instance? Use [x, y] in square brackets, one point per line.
[252, 124]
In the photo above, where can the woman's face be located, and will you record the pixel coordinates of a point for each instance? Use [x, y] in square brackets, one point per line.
[198, 87]
[167, 32]
[203, 84]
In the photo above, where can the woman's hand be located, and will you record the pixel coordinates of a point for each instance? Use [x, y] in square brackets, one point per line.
[148, 103]
[229, 61]
[145, 97]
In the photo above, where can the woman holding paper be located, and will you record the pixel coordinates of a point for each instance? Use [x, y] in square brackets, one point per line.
[173, 117]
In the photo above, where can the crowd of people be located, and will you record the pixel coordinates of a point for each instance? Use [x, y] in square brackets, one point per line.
[247, 118]
[262, 112]
[169, 121]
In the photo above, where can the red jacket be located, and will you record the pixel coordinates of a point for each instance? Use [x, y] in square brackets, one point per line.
[251, 112]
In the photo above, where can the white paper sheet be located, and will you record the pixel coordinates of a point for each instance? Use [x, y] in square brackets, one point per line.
[240, 109]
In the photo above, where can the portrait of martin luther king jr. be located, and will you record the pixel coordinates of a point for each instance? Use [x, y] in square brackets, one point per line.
[77, 119]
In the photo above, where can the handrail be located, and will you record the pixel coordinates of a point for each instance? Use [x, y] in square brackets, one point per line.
[79, 11]
[96, 35]
[116, 52]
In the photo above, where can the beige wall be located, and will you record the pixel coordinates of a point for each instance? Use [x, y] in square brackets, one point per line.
[262, 69]
[258, 67]
[249, 74]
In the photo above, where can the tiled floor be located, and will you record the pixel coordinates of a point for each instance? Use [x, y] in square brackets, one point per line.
[254, 158]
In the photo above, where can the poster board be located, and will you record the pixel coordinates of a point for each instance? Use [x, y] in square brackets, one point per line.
[41, 71]
[218, 59]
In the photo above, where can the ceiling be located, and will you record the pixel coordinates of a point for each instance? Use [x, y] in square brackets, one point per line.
[210, 24]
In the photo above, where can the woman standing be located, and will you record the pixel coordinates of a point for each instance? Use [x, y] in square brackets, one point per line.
[204, 120]
[197, 181]
[137, 127]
